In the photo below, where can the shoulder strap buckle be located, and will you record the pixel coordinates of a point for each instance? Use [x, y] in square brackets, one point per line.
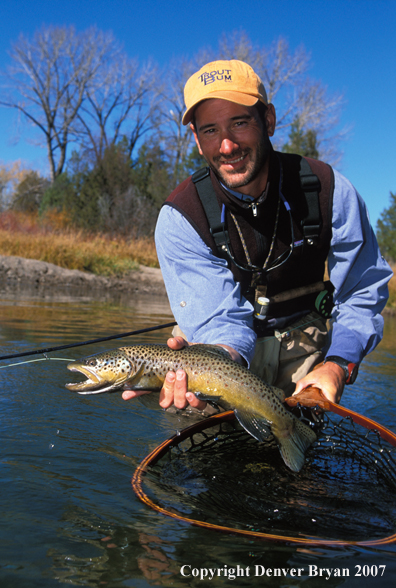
[200, 174]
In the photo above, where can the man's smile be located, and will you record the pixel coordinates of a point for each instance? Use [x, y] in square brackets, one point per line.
[232, 162]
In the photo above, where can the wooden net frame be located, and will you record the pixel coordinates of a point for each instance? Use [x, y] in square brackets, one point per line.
[370, 448]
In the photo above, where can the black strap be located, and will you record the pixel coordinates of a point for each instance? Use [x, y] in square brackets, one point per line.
[207, 195]
[310, 184]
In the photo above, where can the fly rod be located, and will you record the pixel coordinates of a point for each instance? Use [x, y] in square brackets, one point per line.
[59, 347]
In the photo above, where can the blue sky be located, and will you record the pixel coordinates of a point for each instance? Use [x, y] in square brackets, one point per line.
[351, 42]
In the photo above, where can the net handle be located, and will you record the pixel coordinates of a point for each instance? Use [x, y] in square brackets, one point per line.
[312, 397]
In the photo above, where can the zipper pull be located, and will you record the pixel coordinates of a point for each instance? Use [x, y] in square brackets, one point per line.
[254, 208]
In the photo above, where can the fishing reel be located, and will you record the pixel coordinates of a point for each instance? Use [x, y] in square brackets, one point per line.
[324, 303]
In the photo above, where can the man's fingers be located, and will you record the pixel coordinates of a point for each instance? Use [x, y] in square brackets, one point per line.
[167, 390]
[174, 391]
[128, 394]
[329, 378]
[177, 343]
[180, 389]
[195, 402]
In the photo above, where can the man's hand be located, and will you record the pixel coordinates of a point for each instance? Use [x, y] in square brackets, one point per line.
[329, 377]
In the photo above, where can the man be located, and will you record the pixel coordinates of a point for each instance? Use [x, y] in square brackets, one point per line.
[279, 217]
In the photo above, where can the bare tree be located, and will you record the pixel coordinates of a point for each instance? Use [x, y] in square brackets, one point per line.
[173, 133]
[177, 138]
[48, 79]
[120, 101]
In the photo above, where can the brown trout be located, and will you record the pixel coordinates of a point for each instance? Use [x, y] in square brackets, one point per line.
[212, 375]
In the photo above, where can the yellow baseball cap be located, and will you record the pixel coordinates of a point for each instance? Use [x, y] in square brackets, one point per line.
[229, 80]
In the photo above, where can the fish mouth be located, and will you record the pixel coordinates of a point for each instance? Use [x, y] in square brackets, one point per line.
[94, 384]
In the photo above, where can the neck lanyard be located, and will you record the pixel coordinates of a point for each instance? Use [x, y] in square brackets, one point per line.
[259, 273]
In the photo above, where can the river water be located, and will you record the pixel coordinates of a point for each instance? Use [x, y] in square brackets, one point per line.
[69, 516]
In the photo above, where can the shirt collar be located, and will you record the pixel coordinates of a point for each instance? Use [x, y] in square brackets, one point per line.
[239, 195]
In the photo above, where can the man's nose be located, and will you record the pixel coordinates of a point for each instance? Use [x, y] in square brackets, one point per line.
[228, 146]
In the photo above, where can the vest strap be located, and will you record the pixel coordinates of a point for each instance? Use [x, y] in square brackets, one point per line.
[312, 223]
[203, 184]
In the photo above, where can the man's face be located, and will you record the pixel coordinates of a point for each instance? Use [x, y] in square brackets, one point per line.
[235, 143]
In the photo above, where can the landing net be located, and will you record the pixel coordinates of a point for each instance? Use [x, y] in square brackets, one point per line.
[215, 475]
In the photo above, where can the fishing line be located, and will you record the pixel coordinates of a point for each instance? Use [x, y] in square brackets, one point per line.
[92, 341]
[2, 367]
[60, 347]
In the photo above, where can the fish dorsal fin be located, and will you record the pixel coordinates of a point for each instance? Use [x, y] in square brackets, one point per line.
[213, 349]
[259, 428]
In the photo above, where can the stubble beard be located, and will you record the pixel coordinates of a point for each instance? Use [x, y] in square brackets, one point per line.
[253, 167]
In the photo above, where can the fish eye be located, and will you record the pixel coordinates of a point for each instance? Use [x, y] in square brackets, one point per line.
[92, 362]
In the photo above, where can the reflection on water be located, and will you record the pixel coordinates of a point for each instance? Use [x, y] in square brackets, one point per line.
[69, 514]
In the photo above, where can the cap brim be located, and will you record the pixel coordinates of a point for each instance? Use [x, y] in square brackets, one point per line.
[236, 97]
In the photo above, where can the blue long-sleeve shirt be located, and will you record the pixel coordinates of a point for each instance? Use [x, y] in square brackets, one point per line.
[208, 305]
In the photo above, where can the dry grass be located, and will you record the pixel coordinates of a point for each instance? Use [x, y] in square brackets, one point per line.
[50, 240]
[25, 236]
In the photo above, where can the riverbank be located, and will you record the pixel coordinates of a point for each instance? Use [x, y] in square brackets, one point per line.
[43, 279]
[40, 277]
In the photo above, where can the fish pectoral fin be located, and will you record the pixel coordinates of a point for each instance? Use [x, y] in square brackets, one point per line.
[258, 427]
[150, 383]
[134, 379]
[294, 443]
[207, 397]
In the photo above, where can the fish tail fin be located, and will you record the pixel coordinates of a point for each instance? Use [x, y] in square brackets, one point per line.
[293, 446]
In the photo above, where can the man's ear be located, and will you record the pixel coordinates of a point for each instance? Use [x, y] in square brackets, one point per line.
[196, 138]
[270, 119]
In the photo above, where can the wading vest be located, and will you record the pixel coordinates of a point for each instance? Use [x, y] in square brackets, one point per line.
[256, 222]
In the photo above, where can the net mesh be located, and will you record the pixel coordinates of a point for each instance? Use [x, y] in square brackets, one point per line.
[222, 476]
